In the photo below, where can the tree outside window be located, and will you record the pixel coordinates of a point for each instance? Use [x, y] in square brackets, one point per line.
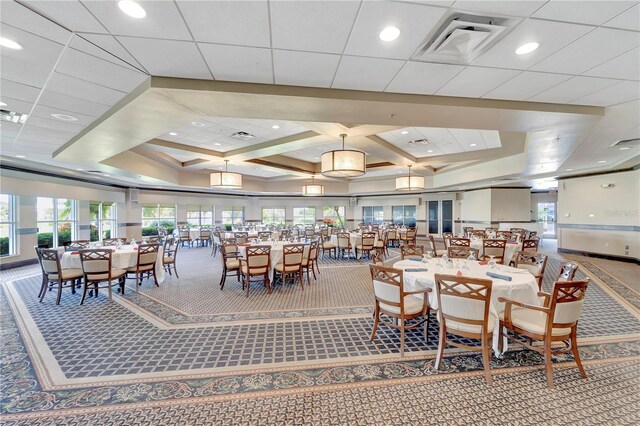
[154, 215]
[334, 216]
[57, 221]
[273, 215]
[102, 221]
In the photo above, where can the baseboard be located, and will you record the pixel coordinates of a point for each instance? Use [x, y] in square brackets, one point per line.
[18, 264]
[600, 255]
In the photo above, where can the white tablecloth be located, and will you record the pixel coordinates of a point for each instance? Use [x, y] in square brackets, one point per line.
[509, 250]
[277, 252]
[120, 259]
[523, 286]
[354, 238]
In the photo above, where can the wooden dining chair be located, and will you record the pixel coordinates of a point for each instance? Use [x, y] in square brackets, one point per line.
[530, 245]
[344, 244]
[76, 245]
[367, 244]
[382, 245]
[459, 252]
[169, 255]
[393, 237]
[490, 230]
[535, 263]
[264, 235]
[230, 260]
[408, 250]
[204, 237]
[97, 269]
[466, 231]
[310, 262]
[477, 233]
[241, 237]
[459, 242]
[408, 237]
[392, 300]
[255, 268]
[109, 242]
[431, 247]
[555, 321]
[291, 266]
[216, 241]
[54, 275]
[145, 264]
[503, 235]
[446, 237]
[494, 248]
[184, 236]
[567, 271]
[377, 259]
[463, 311]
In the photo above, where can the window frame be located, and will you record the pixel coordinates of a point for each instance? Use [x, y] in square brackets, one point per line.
[273, 216]
[100, 220]
[414, 218]
[334, 216]
[12, 223]
[73, 220]
[371, 218]
[201, 209]
[307, 219]
[234, 216]
[158, 218]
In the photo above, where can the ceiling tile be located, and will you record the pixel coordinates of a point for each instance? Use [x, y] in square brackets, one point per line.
[316, 26]
[60, 83]
[625, 66]
[589, 12]
[15, 90]
[629, 20]
[468, 137]
[511, 8]
[35, 50]
[23, 72]
[163, 20]
[595, 48]
[572, 89]
[622, 92]
[45, 112]
[525, 85]
[238, 63]
[424, 78]
[21, 17]
[72, 104]
[474, 82]
[109, 49]
[16, 105]
[552, 36]
[304, 68]
[365, 73]
[244, 23]
[491, 138]
[167, 58]
[414, 21]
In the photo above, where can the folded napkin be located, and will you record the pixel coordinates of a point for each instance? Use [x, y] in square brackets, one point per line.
[416, 270]
[244, 244]
[499, 276]
[484, 262]
[75, 252]
[417, 259]
[512, 242]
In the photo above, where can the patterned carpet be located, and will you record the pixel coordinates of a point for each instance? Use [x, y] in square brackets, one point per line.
[187, 353]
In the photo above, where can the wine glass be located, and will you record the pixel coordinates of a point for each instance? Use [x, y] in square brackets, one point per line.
[492, 262]
[472, 257]
[438, 267]
[465, 267]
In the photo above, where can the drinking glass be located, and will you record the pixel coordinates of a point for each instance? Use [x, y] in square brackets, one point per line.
[492, 263]
[438, 267]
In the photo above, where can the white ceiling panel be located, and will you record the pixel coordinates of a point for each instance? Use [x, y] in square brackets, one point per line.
[629, 20]
[552, 36]
[572, 89]
[15, 90]
[69, 13]
[163, 20]
[589, 12]
[625, 66]
[185, 59]
[304, 68]
[525, 85]
[600, 45]
[16, 105]
[414, 21]
[90, 68]
[23, 72]
[313, 153]
[491, 138]
[365, 73]
[468, 137]
[424, 78]
[475, 82]
[72, 104]
[244, 23]
[612, 95]
[109, 48]
[21, 17]
[68, 128]
[36, 50]
[60, 83]
[316, 26]
[45, 112]
[238, 63]
[511, 8]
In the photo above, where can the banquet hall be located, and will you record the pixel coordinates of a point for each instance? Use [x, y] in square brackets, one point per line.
[319, 212]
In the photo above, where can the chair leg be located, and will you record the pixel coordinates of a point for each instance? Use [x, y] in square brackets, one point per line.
[59, 292]
[402, 338]
[500, 338]
[576, 354]
[175, 270]
[486, 357]
[222, 279]
[84, 293]
[376, 315]
[43, 286]
[110, 293]
[442, 341]
[548, 361]
[155, 279]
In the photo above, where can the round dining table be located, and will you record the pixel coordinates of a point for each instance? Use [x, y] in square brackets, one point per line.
[510, 249]
[523, 286]
[123, 258]
[276, 254]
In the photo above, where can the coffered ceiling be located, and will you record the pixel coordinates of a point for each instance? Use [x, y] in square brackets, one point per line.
[297, 74]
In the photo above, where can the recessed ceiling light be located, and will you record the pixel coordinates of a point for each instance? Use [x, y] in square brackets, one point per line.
[197, 123]
[64, 117]
[430, 150]
[132, 9]
[21, 156]
[602, 161]
[569, 170]
[624, 148]
[389, 34]
[527, 48]
[217, 144]
[2, 104]
[5, 42]
[80, 170]
[316, 158]
[404, 132]
[473, 144]
[173, 133]
[275, 126]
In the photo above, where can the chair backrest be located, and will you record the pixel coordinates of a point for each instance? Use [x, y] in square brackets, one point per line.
[309, 232]
[313, 251]
[478, 233]
[431, 245]
[461, 252]
[368, 240]
[285, 234]
[170, 248]
[183, 233]
[96, 264]
[292, 255]
[147, 254]
[411, 234]
[39, 257]
[567, 271]
[532, 235]
[491, 229]
[535, 263]
[388, 286]
[205, 233]
[466, 230]
[504, 235]
[494, 248]
[377, 258]
[154, 240]
[241, 237]
[264, 235]
[162, 231]
[517, 233]
[258, 259]
[229, 247]
[343, 240]
[392, 234]
[324, 232]
[459, 242]
[217, 238]
[464, 300]
[110, 242]
[76, 245]
[566, 303]
[49, 261]
[530, 245]
[446, 237]
[411, 250]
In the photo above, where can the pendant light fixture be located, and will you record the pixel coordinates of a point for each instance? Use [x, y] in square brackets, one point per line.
[409, 183]
[226, 179]
[344, 162]
[313, 189]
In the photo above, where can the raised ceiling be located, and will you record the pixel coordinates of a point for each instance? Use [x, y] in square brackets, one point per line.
[88, 60]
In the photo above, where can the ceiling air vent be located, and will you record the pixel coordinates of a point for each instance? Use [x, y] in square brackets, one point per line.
[13, 117]
[243, 136]
[628, 143]
[462, 38]
[95, 172]
[419, 142]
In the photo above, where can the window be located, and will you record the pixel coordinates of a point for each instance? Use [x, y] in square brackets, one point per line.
[404, 215]
[233, 216]
[374, 214]
[304, 215]
[102, 221]
[7, 224]
[273, 215]
[200, 215]
[154, 215]
[57, 221]
[334, 215]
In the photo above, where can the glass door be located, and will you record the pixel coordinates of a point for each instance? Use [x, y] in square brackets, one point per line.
[439, 216]
[547, 217]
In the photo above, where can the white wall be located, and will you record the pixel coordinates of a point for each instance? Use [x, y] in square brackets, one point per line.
[510, 205]
[475, 206]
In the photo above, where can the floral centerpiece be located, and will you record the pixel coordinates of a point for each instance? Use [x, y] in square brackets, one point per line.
[328, 222]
